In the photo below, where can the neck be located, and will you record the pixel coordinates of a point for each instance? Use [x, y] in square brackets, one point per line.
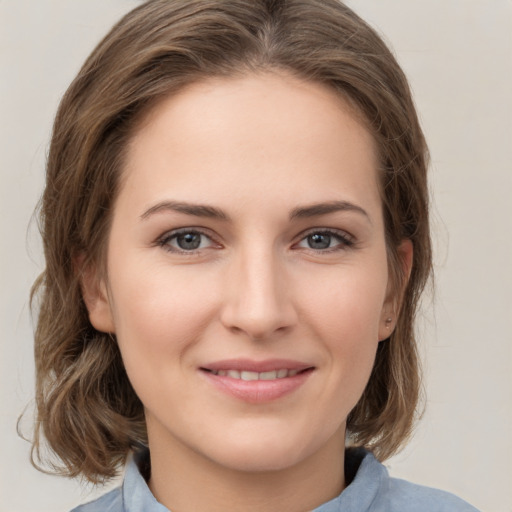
[183, 480]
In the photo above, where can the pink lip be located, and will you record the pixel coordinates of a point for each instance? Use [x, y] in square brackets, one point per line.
[257, 391]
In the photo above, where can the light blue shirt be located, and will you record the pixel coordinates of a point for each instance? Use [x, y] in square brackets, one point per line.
[371, 489]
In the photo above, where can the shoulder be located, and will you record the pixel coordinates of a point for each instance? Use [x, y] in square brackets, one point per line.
[371, 489]
[403, 494]
[133, 496]
[110, 502]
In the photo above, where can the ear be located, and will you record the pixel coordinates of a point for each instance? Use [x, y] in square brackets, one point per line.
[395, 293]
[95, 295]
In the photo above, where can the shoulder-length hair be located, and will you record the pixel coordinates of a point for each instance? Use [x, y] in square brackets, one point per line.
[86, 408]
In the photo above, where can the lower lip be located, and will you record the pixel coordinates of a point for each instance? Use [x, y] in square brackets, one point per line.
[257, 391]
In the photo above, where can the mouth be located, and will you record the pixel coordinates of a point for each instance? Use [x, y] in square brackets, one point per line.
[248, 375]
[257, 382]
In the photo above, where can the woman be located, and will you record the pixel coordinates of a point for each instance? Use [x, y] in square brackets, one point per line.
[236, 235]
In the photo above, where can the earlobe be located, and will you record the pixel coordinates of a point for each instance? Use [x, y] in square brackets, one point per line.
[96, 299]
[393, 303]
[387, 324]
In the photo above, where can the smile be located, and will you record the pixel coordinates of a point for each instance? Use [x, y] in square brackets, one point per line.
[257, 382]
[250, 375]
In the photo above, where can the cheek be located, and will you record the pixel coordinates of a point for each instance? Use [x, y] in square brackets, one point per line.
[159, 319]
[346, 317]
[348, 303]
[158, 312]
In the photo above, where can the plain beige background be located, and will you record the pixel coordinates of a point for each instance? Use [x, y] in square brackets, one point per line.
[458, 56]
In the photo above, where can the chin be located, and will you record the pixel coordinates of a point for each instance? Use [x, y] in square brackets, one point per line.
[265, 451]
[258, 458]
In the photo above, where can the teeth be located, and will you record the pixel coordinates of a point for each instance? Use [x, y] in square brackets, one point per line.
[248, 375]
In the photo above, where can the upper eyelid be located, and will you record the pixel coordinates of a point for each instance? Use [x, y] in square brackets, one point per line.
[331, 231]
[173, 233]
[193, 229]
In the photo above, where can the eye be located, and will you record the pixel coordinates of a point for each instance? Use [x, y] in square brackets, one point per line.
[326, 240]
[186, 240]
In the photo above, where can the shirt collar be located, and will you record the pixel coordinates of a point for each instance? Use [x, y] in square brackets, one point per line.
[136, 493]
[369, 479]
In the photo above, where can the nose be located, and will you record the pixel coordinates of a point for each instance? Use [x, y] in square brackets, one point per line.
[258, 302]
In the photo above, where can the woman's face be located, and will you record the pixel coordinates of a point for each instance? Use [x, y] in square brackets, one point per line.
[247, 276]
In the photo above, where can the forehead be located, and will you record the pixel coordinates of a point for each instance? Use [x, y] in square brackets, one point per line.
[263, 133]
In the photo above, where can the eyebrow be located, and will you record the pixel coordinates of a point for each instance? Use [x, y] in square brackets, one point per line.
[211, 212]
[198, 210]
[318, 209]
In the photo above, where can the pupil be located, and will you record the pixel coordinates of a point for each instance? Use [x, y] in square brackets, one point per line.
[189, 241]
[319, 241]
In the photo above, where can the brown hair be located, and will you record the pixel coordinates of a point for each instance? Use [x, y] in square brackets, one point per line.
[86, 407]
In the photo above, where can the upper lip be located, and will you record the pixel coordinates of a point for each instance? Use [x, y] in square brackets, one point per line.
[267, 365]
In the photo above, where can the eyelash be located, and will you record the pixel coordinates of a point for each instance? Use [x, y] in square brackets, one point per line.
[345, 241]
[165, 240]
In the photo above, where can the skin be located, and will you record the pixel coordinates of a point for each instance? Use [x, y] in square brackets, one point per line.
[256, 148]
